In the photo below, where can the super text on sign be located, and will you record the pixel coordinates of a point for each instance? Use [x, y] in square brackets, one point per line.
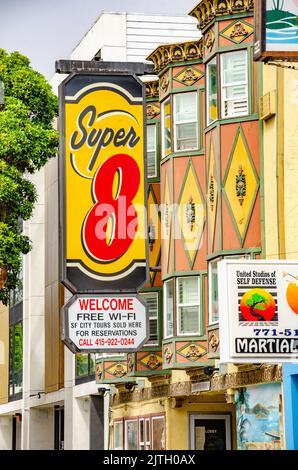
[104, 323]
[103, 183]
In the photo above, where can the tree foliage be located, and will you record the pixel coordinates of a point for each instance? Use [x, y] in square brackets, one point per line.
[27, 141]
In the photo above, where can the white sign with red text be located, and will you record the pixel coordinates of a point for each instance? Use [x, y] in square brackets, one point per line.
[104, 323]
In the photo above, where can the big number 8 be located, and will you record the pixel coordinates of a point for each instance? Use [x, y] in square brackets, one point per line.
[111, 224]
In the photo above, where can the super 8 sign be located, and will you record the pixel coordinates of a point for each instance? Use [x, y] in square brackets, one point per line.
[102, 176]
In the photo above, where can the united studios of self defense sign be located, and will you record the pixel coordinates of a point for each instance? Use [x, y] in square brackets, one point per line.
[258, 311]
[102, 176]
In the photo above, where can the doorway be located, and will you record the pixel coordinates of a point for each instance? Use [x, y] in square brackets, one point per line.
[59, 428]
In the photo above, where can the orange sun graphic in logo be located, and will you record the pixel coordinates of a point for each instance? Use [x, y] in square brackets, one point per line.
[292, 292]
[257, 305]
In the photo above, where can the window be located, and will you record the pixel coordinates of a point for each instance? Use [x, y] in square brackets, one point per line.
[151, 151]
[213, 286]
[166, 128]
[147, 434]
[212, 103]
[158, 433]
[141, 434]
[16, 295]
[131, 434]
[151, 300]
[85, 369]
[188, 305]
[234, 88]
[168, 307]
[118, 435]
[15, 360]
[186, 121]
[210, 432]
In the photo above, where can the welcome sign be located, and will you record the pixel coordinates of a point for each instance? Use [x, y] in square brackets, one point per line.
[258, 311]
[102, 175]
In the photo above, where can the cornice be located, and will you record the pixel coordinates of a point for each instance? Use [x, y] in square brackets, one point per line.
[178, 52]
[207, 10]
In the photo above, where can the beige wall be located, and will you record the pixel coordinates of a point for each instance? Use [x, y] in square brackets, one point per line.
[4, 353]
[281, 145]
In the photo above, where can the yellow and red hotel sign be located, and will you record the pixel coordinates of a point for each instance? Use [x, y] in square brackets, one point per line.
[102, 175]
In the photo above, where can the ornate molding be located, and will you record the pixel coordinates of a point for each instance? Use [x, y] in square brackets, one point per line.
[168, 354]
[179, 52]
[153, 362]
[241, 185]
[189, 76]
[207, 10]
[238, 31]
[209, 41]
[211, 192]
[164, 82]
[119, 371]
[152, 111]
[193, 352]
[130, 362]
[152, 89]
[267, 373]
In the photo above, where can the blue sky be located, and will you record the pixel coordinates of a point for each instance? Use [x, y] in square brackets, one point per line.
[46, 30]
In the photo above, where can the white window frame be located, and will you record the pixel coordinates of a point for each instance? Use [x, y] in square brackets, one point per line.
[156, 418]
[147, 441]
[178, 306]
[218, 258]
[116, 423]
[209, 121]
[176, 122]
[126, 422]
[165, 307]
[154, 126]
[142, 442]
[152, 294]
[229, 85]
[163, 104]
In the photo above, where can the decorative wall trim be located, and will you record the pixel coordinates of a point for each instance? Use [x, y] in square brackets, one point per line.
[265, 374]
[179, 52]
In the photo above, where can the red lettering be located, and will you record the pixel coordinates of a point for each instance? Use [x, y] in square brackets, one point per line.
[119, 210]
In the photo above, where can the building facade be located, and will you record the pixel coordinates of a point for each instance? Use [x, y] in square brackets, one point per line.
[221, 152]
[223, 194]
[48, 398]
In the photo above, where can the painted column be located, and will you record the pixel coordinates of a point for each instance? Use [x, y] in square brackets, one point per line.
[290, 393]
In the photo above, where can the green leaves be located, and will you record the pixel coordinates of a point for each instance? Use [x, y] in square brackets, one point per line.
[27, 141]
[256, 299]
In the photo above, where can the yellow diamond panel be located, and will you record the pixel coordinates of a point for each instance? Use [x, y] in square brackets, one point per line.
[188, 76]
[238, 31]
[191, 214]
[241, 191]
[192, 351]
[153, 361]
[154, 228]
[212, 194]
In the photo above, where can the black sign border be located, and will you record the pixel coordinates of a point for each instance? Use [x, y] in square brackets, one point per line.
[96, 286]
